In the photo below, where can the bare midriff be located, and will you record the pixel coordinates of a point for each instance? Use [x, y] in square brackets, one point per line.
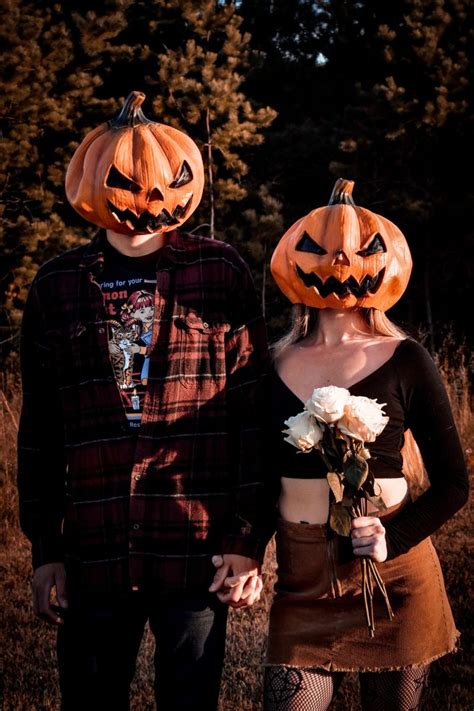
[308, 499]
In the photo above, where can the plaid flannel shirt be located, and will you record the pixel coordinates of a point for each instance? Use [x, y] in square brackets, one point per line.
[122, 509]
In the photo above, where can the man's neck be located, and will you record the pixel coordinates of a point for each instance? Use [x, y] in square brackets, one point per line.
[136, 245]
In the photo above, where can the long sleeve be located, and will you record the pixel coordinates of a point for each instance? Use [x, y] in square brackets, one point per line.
[429, 416]
[247, 364]
[41, 469]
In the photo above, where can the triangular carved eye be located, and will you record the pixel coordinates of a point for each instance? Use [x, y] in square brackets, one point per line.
[308, 244]
[116, 179]
[376, 246]
[184, 176]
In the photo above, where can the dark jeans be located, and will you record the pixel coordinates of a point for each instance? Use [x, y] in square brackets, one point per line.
[99, 642]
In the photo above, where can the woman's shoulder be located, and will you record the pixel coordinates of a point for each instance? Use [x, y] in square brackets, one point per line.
[416, 366]
[410, 351]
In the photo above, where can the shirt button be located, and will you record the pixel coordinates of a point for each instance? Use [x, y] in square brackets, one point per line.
[205, 324]
[138, 477]
[101, 330]
[136, 526]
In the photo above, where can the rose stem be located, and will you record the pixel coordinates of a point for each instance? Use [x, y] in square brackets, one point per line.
[368, 598]
[376, 575]
[382, 588]
[367, 590]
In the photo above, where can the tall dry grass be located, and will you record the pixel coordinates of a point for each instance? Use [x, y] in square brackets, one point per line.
[30, 677]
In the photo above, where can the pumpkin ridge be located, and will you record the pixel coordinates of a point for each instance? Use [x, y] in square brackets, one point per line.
[173, 147]
[139, 153]
[168, 152]
[118, 148]
[92, 166]
[75, 170]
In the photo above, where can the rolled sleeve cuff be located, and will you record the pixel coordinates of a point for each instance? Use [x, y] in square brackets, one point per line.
[245, 546]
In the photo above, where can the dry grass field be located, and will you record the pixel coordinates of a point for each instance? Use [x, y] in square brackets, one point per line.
[30, 679]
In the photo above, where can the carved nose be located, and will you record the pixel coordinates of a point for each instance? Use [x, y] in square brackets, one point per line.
[155, 194]
[340, 257]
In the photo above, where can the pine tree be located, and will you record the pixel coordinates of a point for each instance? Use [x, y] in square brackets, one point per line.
[202, 80]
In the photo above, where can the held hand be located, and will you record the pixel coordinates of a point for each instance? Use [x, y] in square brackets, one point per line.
[237, 582]
[368, 538]
[45, 578]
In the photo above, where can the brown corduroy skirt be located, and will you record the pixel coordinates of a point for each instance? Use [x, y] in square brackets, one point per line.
[317, 618]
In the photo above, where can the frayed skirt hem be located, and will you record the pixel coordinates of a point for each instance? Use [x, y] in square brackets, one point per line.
[331, 667]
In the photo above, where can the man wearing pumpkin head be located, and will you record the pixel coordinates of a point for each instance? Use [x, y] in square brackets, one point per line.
[138, 443]
[359, 585]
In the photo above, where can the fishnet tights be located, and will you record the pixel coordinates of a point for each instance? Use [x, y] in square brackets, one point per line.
[291, 689]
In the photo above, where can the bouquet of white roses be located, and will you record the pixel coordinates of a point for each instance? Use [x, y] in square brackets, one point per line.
[337, 425]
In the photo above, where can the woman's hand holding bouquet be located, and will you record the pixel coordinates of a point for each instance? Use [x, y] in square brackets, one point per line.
[338, 425]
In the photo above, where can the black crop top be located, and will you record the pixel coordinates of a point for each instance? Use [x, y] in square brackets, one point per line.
[410, 385]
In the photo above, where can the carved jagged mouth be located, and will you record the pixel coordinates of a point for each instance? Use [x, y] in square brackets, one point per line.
[342, 288]
[146, 222]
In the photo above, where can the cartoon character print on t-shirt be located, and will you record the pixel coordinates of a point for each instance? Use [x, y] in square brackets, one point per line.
[131, 337]
[130, 326]
[137, 319]
[121, 353]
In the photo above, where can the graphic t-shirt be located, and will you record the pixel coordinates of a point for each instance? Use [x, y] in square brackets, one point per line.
[128, 285]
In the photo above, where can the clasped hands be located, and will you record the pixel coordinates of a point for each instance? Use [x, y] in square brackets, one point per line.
[237, 582]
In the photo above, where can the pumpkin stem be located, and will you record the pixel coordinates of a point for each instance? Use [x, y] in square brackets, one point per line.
[342, 193]
[131, 113]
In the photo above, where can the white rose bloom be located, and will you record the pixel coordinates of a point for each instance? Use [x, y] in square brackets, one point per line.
[363, 419]
[327, 404]
[303, 431]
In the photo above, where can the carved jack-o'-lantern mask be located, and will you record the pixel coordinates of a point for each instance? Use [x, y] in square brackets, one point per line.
[135, 176]
[342, 256]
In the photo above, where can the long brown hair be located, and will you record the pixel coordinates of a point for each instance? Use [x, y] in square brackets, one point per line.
[304, 321]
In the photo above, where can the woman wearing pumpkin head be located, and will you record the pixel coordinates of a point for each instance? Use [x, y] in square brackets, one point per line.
[342, 267]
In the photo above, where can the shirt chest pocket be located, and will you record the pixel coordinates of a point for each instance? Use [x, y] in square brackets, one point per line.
[202, 347]
[82, 351]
